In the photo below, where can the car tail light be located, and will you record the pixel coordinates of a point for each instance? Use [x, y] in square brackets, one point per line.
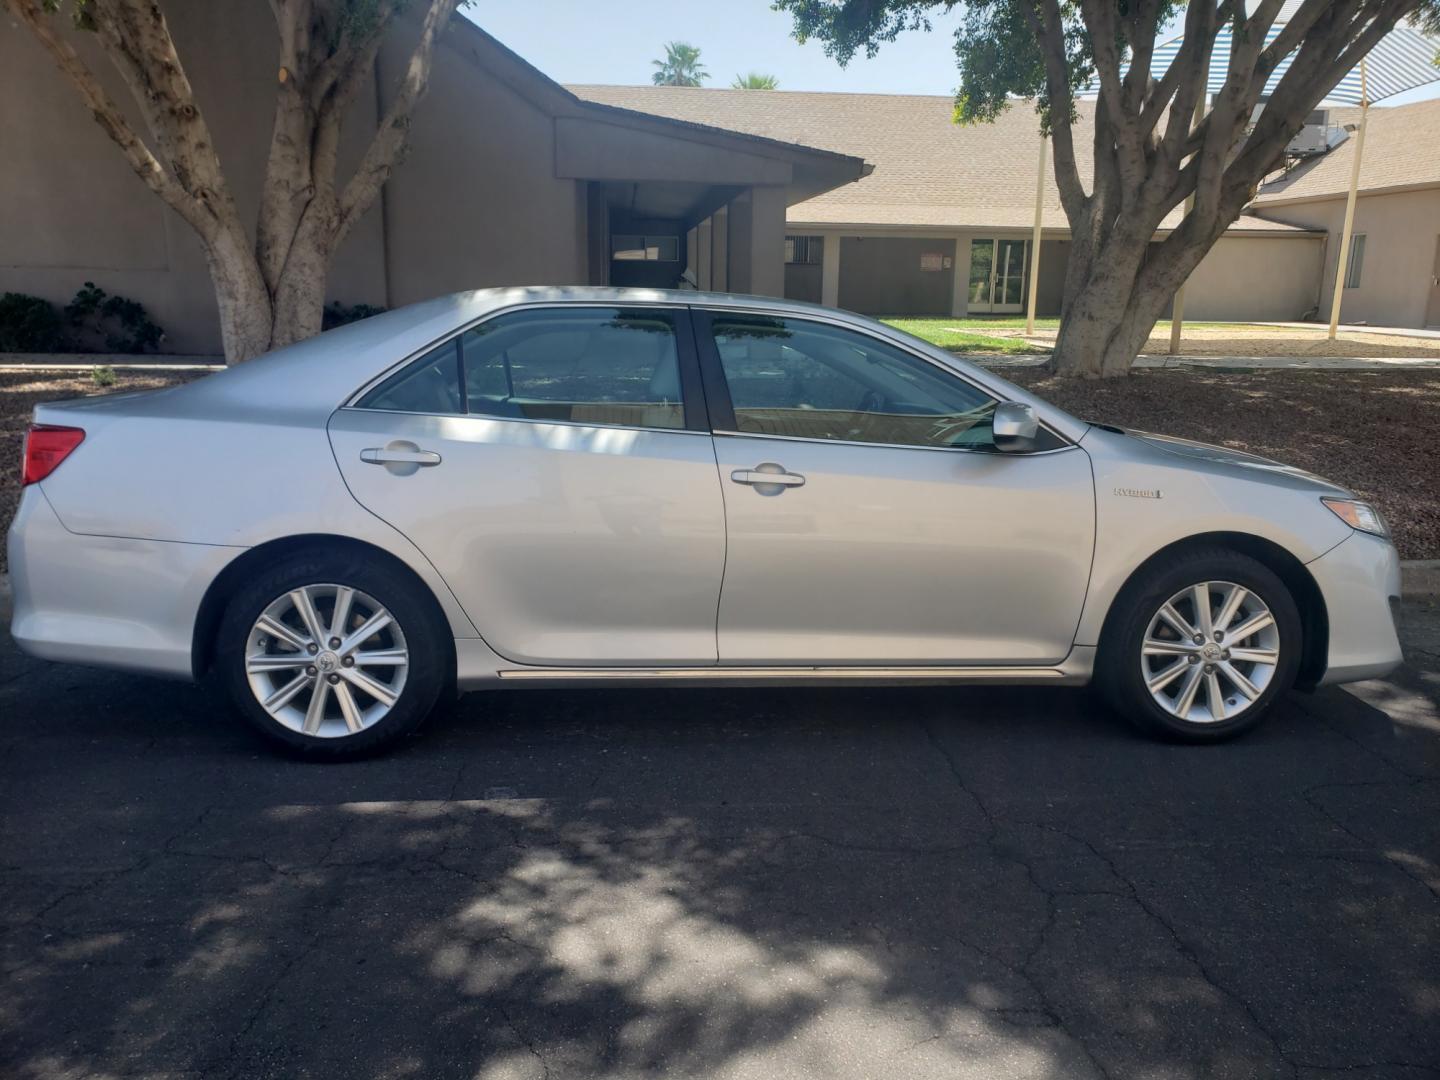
[46, 446]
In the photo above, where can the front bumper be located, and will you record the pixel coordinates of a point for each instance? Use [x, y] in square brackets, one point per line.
[1359, 579]
[105, 601]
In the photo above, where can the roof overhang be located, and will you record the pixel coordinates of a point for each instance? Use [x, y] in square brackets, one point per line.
[1264, 202]
[615, 145]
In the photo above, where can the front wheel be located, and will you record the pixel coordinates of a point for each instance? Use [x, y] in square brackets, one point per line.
[1202, 646]
[331, 656]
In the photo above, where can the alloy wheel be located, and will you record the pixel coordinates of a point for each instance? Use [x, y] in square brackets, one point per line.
[1210, 652]
[326, 660]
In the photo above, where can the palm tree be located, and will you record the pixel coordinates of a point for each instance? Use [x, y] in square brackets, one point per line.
[681, 66]
[755, 81]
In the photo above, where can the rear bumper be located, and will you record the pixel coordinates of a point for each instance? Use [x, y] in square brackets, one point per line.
[105, 601]
[1360, 581]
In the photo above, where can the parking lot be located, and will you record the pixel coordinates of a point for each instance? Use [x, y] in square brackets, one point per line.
[753, 883]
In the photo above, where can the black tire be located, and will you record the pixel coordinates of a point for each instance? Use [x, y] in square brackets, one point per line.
[426, 638]
[1119, 675]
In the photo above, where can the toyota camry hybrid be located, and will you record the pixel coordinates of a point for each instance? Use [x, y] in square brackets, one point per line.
[591, 487]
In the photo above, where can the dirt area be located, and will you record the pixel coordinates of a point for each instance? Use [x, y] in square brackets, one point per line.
[1372, 431]
[1244, 339]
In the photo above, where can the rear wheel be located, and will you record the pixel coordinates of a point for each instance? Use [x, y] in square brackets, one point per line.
[1201, 647]
[332, 656]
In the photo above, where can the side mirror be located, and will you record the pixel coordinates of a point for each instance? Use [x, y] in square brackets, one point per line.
[1014, 426]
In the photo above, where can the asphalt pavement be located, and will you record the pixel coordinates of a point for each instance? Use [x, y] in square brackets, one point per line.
[744, 884]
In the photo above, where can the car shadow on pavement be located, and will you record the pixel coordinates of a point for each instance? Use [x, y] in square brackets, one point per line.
[748, 883]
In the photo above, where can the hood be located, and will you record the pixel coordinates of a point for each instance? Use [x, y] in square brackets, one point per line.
[1220, 455]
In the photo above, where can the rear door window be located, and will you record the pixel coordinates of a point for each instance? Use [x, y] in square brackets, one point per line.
[608, 366]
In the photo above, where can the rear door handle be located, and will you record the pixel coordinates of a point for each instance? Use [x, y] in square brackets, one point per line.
[763, 476]
[376, 456]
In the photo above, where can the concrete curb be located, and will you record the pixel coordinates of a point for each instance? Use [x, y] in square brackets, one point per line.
[44, 368]
[1227, 363]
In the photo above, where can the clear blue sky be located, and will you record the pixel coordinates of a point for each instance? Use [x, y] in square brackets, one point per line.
[592, 41]
[595, 41]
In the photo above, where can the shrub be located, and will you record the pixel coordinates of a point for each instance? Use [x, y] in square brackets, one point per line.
[114, 322]
[103, 376]
[337, 314]
[29, 324]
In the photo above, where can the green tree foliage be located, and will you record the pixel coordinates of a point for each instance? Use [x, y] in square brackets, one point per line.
[681, 66]
[755, 81]
[1148, 155]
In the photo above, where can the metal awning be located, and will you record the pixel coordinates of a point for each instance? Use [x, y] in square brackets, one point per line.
[1403, 60]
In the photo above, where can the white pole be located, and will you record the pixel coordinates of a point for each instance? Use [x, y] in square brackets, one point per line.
[1177, 310]
[1035, 241]
[1342, 263]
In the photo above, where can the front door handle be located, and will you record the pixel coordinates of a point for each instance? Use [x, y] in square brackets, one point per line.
[376, 456]
[766, 475]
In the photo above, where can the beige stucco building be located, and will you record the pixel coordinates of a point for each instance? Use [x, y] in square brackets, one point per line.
[943, 225]
[874, 202]
[1394, 276]
[511, 180]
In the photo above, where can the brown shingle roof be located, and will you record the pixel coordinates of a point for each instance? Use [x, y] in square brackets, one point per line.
[929, 171]
[1402, 150]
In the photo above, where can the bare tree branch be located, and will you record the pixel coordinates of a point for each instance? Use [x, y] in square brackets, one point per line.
[1047, 24]
[108, 115]
[390, 140]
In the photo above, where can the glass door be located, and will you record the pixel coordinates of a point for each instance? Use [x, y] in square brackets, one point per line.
[998, 271]
[982, 274]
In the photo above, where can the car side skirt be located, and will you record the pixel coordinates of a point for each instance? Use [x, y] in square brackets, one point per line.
[476, 670]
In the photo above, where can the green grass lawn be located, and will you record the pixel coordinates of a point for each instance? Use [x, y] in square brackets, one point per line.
[966, 335]
[970, 335]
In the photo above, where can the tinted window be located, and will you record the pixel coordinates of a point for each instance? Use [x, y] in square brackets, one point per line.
[815, 381]
[585, 365]
[609, 366]
[430, 385]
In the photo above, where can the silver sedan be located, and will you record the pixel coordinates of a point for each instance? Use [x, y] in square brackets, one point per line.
[585, 487]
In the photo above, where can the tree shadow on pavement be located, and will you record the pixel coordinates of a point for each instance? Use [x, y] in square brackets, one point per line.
[737, 884]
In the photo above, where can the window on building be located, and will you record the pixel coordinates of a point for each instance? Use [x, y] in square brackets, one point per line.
[808, 250]
[1357, 260]
[636, 248]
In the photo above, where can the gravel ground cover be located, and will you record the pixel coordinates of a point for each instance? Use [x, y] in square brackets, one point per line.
[1373, 431]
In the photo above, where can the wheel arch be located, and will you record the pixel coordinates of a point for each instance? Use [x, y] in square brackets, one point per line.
[229, 580]
[1314, 617]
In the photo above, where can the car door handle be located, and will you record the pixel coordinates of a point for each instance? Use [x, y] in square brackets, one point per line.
[762, 476]
[376, 456]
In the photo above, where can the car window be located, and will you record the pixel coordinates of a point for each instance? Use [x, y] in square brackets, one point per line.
[584, 365]
[793, 377]
[602, 366]
[430, 385]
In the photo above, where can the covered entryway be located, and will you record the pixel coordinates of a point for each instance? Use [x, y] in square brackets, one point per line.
[672, 205]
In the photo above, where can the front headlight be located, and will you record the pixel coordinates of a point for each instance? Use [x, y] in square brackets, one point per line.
[1358, 515]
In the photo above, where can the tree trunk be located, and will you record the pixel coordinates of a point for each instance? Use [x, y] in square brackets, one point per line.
[300, 291]
[246, 313]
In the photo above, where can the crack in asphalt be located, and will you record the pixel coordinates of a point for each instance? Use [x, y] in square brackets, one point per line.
[1386, 859]
[1182, 947]
[525, 1040]
[1048, 1006]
